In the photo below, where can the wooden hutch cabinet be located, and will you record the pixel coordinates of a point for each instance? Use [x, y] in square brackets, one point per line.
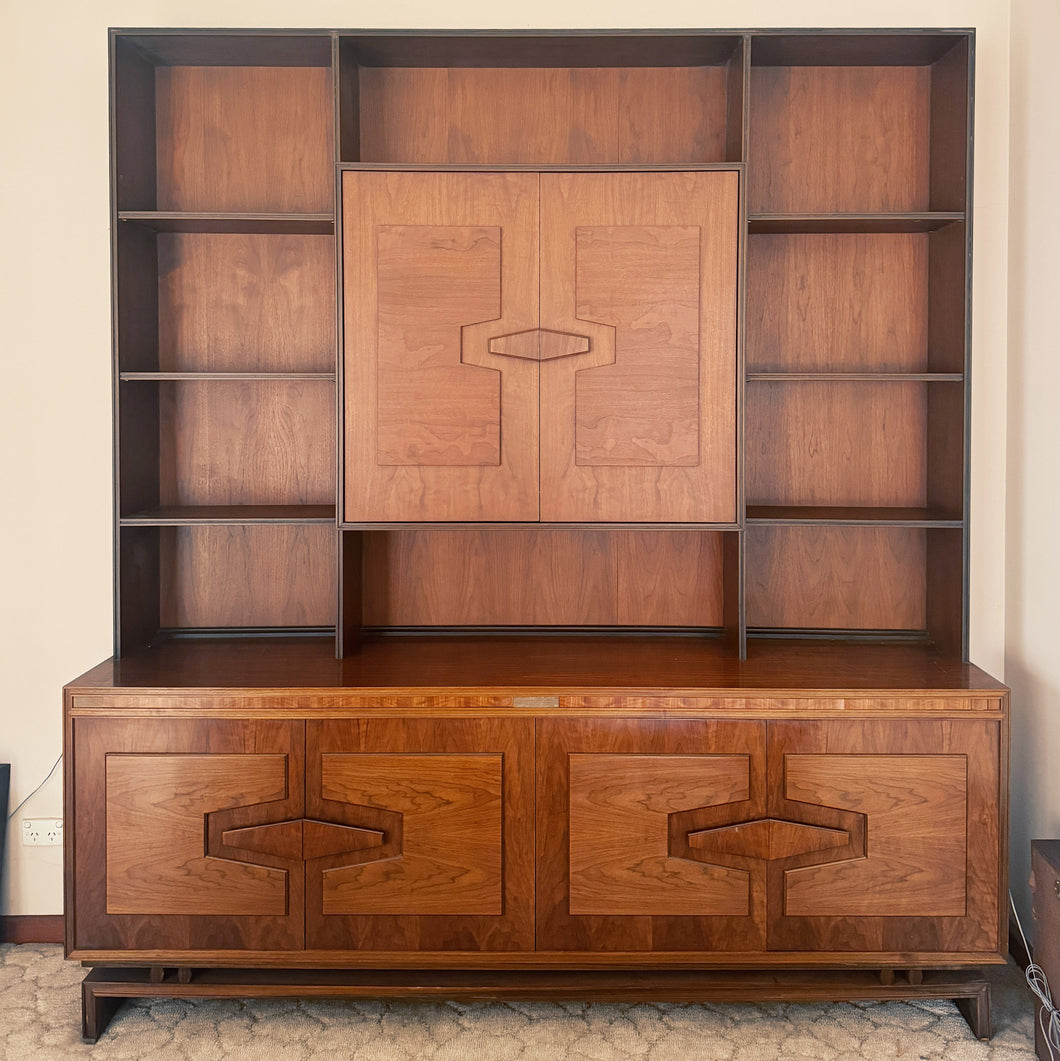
[541, 549]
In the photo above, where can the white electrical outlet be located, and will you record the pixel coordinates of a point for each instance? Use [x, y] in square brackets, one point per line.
[42, 832]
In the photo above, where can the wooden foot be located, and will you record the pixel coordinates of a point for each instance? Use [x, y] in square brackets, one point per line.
[975, 1008]
[97, 1011]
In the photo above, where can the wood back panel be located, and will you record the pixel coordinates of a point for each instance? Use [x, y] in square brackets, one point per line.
[642, 428]
[247, 576]
[245, 138]
[838, 303]
[845, 578]
[837, 443]
[542, 578]
[538, 116]
[233, 302]
[839, 138]
[426, 287]
[239, 442]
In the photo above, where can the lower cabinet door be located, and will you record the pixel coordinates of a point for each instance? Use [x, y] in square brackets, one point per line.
[166, 811]
[620, 804]
[426, 835]
[919, 800]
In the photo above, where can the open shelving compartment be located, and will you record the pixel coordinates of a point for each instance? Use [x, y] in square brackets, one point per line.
[857, 281]
[224, 334]
[444, 101]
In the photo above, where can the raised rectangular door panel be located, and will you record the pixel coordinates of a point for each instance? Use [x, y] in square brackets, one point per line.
[450, 803]
[925, 873]
[619, 802]
[436, 266]
[641, 428]
[161, 813]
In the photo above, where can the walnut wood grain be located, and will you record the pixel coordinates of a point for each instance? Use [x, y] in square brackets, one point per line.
[449, 858]
[424, 398]
[456, 871]
[156, 806]
[303, 839]
[930, 792]
[835, 138]
[837, 443]
[264, 442]
[916, 810]
[246, 303]
[846, 578]
[435, 669]
[119, 772]
[643, 427]
[244, 138]
[259, 575]
[620, 861]
[554, 578]
[533, 115]
[838, 303]
[614, 871]
[432, 408]
[766, 839]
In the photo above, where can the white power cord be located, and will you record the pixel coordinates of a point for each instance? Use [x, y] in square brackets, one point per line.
[1049, 1015]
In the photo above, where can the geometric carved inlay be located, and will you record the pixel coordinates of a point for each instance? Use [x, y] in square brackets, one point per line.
[303, 838]
[539, 344]
[767, 839]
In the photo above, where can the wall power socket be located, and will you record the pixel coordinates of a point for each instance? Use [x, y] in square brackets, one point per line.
[42, 832]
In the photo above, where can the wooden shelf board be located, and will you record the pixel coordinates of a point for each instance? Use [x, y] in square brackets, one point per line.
[133, 377]
[264, 223]
[538, 665]
[190, 515]
[850, 377]
[848, 516]
[779, 224]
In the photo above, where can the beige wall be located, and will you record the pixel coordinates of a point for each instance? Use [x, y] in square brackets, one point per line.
[1032, 625]
[54, 425]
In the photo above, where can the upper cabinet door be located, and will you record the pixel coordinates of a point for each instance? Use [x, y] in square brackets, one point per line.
[437, 268]
[642, 428]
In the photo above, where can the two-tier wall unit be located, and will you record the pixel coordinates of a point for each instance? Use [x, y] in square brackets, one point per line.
[541, 546]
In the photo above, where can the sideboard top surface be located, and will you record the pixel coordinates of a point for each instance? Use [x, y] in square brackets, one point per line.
[662, 665]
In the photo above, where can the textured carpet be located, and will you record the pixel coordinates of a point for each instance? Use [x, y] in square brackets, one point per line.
[40, 1017]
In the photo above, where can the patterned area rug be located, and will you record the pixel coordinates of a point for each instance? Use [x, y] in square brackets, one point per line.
[40, 1017]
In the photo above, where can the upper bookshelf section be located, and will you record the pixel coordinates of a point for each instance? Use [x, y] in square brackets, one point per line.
[485, 99]
[241, 123]
[858, 123]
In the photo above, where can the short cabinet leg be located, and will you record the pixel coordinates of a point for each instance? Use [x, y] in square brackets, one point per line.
[976, 1011]
[156, 974]
[96, 1012]
[916, 976]
[184, 975]
[887, 977]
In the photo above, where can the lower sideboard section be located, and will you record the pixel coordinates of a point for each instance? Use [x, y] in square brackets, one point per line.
[516, 838]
